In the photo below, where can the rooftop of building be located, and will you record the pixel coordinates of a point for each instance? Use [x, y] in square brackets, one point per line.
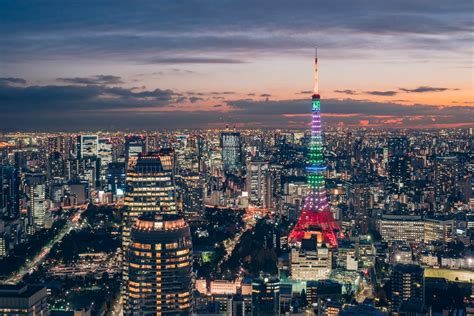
[19, 290]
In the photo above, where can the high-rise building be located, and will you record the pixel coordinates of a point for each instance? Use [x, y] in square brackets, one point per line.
[134, 146]
[446, 180]
[104, 152]
[316, 210]
[150, 188]
[36, 184]
[22, 299]
[408, 285]
[266, 296]
[56, 166]
[9, 192]
[398, 163]
[116, 178]
[192, 189]
[259, 183]
[159, 267]
[231, 150]
[87, 146]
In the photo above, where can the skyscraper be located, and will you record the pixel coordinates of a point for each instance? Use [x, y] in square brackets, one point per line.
[408, 285]
[316, 208]
[192, 188]
[398, 163]
[266, 296]
[150, 188]
[159, 267]
[105, 154]
[231, 150]
[87, 146]
[259, 183]
[134, 146]
[37, 200]
[9, 192]
[446, 180]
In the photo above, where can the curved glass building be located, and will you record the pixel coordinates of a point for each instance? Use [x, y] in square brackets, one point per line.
[159, 267]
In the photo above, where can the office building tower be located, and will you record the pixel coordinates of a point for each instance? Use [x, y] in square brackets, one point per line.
[446, 181]
[56, 166]
[22, 299]
[266, 296]
[231, 150]
[3, 241]
[87, 146]
[36, 184]
[9, 192]
[259, 184]
[316, 210]
[104, 152]
[192, 189]
[408, 285]
[116, 178]
[88, 170]
[398, 163]
[134, 146]
[149, 188]
[159, 267]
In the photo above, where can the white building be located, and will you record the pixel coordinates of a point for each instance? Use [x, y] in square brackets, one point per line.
[311, 261]
[258, 184]
[401, 228]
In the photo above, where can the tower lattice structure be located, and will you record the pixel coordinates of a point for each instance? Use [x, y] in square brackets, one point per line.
[315, 211]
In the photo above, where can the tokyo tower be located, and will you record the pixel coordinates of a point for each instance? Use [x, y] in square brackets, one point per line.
[315, 213]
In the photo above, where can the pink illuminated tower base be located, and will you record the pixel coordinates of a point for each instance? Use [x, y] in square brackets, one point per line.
[315, 213]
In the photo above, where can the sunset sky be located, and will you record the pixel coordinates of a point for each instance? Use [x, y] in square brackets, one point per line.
[108, 65]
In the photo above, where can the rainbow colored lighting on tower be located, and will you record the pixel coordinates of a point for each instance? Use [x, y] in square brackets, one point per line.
[315, 211]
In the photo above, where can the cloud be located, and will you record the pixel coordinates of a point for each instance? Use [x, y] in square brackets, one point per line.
[71, 98]
[71, 108]
[195, 99]
[194, 60]
[350, 112]
[98, 79]
[305, 92]
[347, 91]
[12, 80]
[223, 92]
[265, 95]
[161, 29]
[382, 93]
[424, 89]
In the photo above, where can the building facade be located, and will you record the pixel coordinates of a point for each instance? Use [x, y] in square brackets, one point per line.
[159, 267]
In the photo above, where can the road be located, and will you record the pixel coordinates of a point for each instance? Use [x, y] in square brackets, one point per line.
[250, 219]
[74, 222]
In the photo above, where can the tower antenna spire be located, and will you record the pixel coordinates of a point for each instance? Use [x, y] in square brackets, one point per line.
[316, 83]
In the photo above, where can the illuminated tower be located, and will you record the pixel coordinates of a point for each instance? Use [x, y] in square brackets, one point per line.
[315, 211]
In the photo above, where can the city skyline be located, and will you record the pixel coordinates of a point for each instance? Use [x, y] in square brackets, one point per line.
[160, 66]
